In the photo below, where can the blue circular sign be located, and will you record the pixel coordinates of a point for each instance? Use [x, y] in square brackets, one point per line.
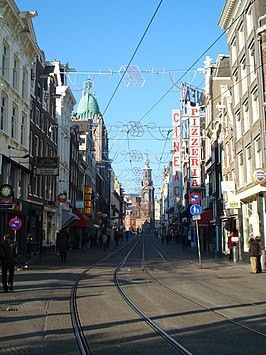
[15, 224]
[195, 210]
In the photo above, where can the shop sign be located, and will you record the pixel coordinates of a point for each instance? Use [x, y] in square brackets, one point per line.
[194, 148]
[6, 196]
[176, 149]
[87, 200]
[47, 166]
[259, 176]
[232, 201]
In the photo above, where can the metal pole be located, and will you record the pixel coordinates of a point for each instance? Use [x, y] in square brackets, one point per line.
[198, 241]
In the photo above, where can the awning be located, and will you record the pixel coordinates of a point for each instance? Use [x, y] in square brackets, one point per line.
[206, 217]
[83, 220]
[170, 210]
[68, 218]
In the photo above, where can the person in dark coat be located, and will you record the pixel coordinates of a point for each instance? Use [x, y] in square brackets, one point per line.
[63, 246]
[253, 254]
[8, 254]
[259, 268]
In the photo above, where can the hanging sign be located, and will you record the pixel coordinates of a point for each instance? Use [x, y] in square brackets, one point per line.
[6, 195]
[259, 176]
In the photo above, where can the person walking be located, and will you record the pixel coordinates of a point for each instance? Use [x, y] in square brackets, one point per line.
[230, 245]
[104, 242]
[259, 268]
[184, 242]
[63, 246]
[253, 254]
[8, 254]
[85, 241]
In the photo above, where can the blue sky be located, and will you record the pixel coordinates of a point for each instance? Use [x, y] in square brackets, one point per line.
[97, 37]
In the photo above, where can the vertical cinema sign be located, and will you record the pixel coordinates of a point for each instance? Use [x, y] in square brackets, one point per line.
[194, 148]
[176, 150]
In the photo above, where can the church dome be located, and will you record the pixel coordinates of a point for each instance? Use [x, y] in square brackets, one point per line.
[87, 107]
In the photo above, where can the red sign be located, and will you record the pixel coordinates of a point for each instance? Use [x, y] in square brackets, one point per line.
[194, 198]
[15, 224]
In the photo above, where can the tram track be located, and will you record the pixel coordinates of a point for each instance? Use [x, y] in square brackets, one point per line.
[121, 279]
[83, 343]
[209, 309]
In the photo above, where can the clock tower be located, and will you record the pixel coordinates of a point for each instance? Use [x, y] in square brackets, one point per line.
[147, 197]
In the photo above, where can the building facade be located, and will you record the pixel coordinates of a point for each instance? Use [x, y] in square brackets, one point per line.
[244, 22]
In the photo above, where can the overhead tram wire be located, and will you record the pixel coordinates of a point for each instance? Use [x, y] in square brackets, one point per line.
[181, 77]
[195, 62]
[122, 77]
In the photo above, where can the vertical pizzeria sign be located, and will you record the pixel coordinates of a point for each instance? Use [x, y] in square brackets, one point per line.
[176, 149]
[194, 148]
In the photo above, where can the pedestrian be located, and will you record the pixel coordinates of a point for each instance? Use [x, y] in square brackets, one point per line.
[184, 241]
[116, 238]
[8, 254]
[259, 268]
[85, 241]
[253, 254]
[104, 242]
[230, 245]
[63, 246]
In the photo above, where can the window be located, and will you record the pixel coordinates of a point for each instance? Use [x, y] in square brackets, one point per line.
[255, 106]
[241, 39]
[238, 126]
[38, 117]
[14, 123]
[252, 62]
[32, 111]
[249, 21]
[248, 164]
[42, 124]
[233, 51]
[36, 146]
[24, 84]
[246, 121]
[258, 153]
[3, 117]
[5, 59]
[244, 78]
[240, 169]
[15, 73]
[39, 91]
[41, 148]
[231, 145]
[31, 144]
[236, 87]
[22, 132]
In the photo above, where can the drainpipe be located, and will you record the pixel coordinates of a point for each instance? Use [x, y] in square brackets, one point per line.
[261, 33]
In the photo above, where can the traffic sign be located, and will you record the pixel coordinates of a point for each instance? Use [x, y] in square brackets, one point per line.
[15, 224]
[195, 210]
[194, 197]
[196, 218]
